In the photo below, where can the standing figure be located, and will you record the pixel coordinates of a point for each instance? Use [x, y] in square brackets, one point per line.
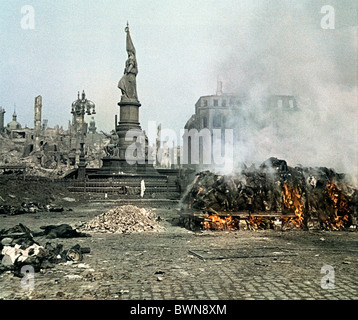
[127, 84]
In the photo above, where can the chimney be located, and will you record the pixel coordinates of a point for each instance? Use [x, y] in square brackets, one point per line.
[219, 90]
[2, 112]
[38, 114]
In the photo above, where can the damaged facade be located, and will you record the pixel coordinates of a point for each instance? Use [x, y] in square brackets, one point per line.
[47, 151]
[224, 111]
[2, 119]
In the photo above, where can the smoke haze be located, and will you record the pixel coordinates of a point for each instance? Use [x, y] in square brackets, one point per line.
[284, 50]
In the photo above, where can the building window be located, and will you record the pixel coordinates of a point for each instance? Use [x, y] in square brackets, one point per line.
[223, 104]
[205, 103]
[204, 122]
[217, 121]
[216, 102]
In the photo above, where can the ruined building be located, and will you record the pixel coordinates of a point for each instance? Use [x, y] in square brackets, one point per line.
[219, 111]
[51, 151]
[38, 114]
[279, 109]
[229, 111]
[2, 119]
[214, 111]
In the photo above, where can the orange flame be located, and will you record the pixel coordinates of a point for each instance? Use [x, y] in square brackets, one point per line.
[340, 207]
[254, 221]
[218, 223]
[292, 200]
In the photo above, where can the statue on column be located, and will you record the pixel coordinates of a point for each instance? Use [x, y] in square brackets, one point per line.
[127, 84]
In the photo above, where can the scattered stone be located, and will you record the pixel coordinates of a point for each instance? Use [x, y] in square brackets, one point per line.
[124, 219]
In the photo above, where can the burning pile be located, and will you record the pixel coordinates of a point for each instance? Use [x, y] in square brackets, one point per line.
[124, 219]
[301, 197]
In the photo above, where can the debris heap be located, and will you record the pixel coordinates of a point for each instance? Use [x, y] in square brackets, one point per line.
[124, 219]
[312, 195]
[18, 248]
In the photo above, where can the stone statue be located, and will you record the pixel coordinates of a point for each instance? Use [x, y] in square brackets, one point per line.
[127, 84]
[111, 148]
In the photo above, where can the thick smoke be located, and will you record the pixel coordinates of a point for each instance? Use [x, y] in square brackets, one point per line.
[284, 50]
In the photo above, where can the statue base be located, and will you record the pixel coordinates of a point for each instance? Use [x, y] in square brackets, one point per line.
[116, 165]
[129, 133]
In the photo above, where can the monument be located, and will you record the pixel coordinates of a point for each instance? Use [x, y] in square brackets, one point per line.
[126, 169]
[128, 149]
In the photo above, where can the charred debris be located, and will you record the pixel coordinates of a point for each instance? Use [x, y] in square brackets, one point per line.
[273, 196]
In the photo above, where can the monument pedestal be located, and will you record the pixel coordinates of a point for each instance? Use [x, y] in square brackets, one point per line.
[129, 122]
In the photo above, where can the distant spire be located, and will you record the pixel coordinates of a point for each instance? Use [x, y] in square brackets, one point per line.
[14, 115]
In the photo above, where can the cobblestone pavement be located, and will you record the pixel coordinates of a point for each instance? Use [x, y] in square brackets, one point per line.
[267, 265]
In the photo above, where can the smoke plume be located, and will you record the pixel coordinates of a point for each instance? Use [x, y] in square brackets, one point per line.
[284, 50]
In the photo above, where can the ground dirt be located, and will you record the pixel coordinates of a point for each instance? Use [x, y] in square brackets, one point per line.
[180, 264]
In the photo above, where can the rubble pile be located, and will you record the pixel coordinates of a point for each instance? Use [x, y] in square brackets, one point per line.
[124, 219]
[10, 152]
[314, 195]
[18, 248]
[39, 164]
[53, 169]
